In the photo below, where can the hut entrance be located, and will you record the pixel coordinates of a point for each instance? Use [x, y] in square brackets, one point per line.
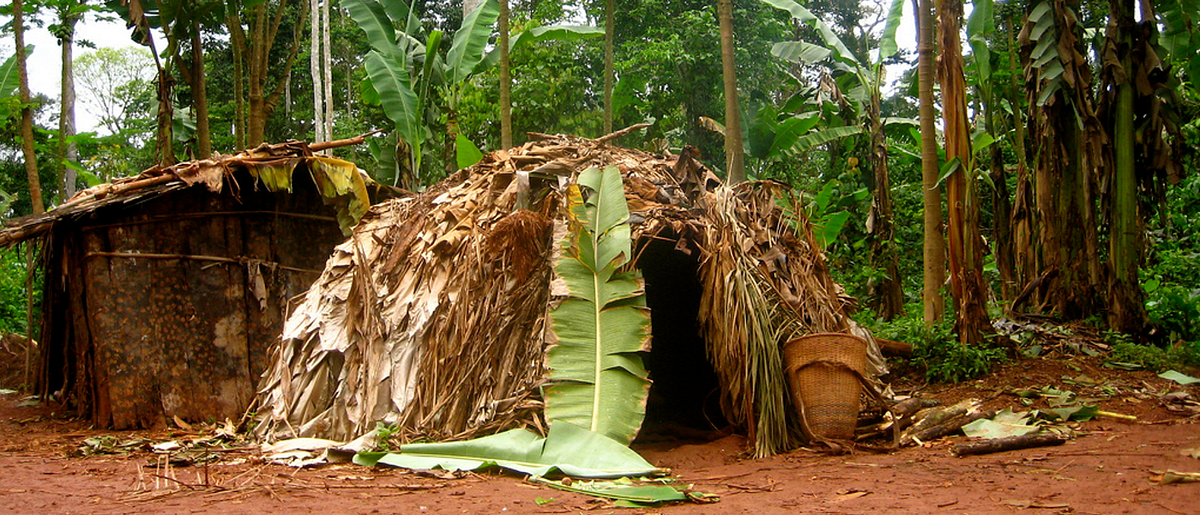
[685, 392]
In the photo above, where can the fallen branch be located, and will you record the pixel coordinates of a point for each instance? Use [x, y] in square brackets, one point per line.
[944, 422]
[1010, 443]
[894, 348]
[911, 405]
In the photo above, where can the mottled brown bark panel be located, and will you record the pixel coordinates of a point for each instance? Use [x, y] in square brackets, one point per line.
[179, 333]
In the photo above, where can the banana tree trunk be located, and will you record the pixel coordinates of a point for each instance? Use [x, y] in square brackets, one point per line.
[964, 241]
[237, 39]
[1021, 216]
[1126, 311]
[886, 296]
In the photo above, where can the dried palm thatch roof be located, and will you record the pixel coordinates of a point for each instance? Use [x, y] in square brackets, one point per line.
[340, 182]
[433, 315]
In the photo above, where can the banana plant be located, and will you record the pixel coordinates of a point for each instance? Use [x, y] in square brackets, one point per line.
[10, 105]
[798, 133]
[404, 68]
[886, 296]
[597, 379]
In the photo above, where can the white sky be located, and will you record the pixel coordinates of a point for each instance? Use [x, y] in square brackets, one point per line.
[45, 63]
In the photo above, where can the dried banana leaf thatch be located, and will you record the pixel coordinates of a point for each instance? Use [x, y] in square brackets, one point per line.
[433, 316]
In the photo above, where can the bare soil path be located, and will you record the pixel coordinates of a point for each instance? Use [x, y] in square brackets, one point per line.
[1107, 468]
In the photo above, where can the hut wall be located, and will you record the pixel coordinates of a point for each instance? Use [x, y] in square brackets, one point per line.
[166, 308]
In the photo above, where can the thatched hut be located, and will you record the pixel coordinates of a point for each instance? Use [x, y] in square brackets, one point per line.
[162, 292]
[432, 317]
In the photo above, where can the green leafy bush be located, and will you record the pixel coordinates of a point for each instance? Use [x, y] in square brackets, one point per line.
[1156, 358]
[12, 291]
[936, 347]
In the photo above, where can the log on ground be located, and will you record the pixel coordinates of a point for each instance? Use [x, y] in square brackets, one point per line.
[1010, 443]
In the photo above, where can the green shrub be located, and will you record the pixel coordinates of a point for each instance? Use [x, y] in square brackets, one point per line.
[12, 291]
[936, 347]
[1156, 358]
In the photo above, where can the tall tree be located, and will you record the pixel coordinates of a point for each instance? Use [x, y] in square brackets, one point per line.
[115, 82]
[327, 68]
[1069, 141]
[965, 245]
[255, 32]
[734, 151]
[27, 147]
[68, 12]
[506, 137]
[1141, 105]
[314, 65]
[135, 13]
[1126, 308]
[935, 243]
[609, 74]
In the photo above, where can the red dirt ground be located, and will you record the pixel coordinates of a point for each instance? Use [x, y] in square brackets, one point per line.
[1108, 468]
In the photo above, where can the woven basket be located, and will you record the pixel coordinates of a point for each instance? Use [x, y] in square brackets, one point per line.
[824, 372]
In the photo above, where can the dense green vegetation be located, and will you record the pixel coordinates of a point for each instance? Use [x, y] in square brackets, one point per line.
[811, 94]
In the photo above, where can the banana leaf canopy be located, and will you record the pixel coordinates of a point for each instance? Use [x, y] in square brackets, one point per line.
[433, 317]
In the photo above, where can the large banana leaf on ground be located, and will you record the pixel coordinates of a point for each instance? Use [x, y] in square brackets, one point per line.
[597, 379]
[567, 449]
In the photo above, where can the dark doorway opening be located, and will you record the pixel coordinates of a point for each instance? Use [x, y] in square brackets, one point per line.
[685, 396]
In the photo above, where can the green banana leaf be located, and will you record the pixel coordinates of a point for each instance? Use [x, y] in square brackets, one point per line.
[8, 74]
[597, 380]
[467, 50]
[468, 153]
[567, 449]
[623, 491]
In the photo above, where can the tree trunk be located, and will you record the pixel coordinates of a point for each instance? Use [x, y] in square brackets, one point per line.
[506, 136]
[27, 147]
[327, 76]
[965, 245]
[200, 96]
[164, 136]
[256, 79]
[935, 243]
[314, 66]
[609, 76]
[734, 151]
[887, 296]
[1063, 182]
[1023, 210]
[67, 150]
[263, 32]
[1126, 305]
[237, 39]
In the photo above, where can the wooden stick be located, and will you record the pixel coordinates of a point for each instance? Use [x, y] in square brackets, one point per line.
[609, 137]
[894, 348]
[208, 214]
[1010, 443]
[357, 140]
[911, 405]
[218, 259]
